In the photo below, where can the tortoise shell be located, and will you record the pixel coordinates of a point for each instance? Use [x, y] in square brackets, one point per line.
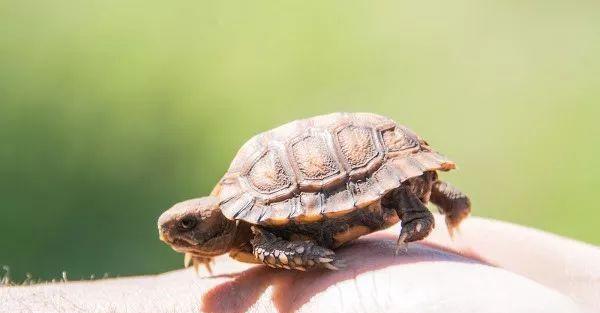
[327, 165]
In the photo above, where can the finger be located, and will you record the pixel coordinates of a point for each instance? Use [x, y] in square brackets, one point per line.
[423, 280]
[434, 286]
[374, 280]
[569, 266]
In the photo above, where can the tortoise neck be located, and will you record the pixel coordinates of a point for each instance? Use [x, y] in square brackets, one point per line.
[243, 234]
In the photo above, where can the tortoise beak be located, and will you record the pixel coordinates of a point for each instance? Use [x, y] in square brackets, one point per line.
[163, 236]
[163, 221]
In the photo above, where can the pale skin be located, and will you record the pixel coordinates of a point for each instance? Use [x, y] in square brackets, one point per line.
[491, 266]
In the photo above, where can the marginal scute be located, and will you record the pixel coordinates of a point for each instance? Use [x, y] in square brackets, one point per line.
[311, 204]
[338, 202]
[294, 207]
[363, 192]
[426, 160]
[386, 178]
[254, 214]
[236, 206]
[406, 168]
[278, 213]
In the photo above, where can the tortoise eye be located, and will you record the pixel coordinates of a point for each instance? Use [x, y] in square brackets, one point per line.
[188, 223]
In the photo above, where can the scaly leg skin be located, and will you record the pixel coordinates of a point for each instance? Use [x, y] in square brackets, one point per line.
[297, 255]
[453, 203]
[417, 221]
[244, 254]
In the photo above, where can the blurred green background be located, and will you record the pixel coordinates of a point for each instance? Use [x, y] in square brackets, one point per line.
[111, 111]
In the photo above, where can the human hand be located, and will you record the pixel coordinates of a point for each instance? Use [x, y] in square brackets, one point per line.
[491, 266]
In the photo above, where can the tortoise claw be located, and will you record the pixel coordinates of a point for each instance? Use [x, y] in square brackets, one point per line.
[453, 228]
[187, 260]
[401, 244]
[208, 267]
[296, 255]
[335, 264]
[206, 262]
[330, 266]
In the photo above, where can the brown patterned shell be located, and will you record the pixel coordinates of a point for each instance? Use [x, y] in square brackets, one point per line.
[326, 165]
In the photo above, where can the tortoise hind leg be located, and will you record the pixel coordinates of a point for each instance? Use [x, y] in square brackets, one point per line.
[417, 221]
[297, 255]
[453, 203]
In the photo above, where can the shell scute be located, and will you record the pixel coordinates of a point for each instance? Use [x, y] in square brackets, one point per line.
[386, 178]
[396, 139]
[311, 204]
[267, 174]
[327, 165]
[313, 159]
[357, 145]
[363, 192]
[338, 202]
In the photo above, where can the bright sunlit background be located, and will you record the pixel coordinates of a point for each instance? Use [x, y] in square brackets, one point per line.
[111, 111]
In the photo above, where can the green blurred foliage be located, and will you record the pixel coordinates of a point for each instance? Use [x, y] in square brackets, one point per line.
[111, 111]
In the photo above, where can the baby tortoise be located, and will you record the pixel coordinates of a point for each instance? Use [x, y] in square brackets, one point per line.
[295, 193]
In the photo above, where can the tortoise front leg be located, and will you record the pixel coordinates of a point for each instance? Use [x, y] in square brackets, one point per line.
[297, 255]
[244, 253]
[417, 221]
[197, 261]
[453, 203]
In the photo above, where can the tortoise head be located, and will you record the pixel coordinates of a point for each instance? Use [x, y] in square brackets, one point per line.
[197, 227]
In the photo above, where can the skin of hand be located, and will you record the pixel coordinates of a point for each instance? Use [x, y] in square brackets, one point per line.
[490, 266]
